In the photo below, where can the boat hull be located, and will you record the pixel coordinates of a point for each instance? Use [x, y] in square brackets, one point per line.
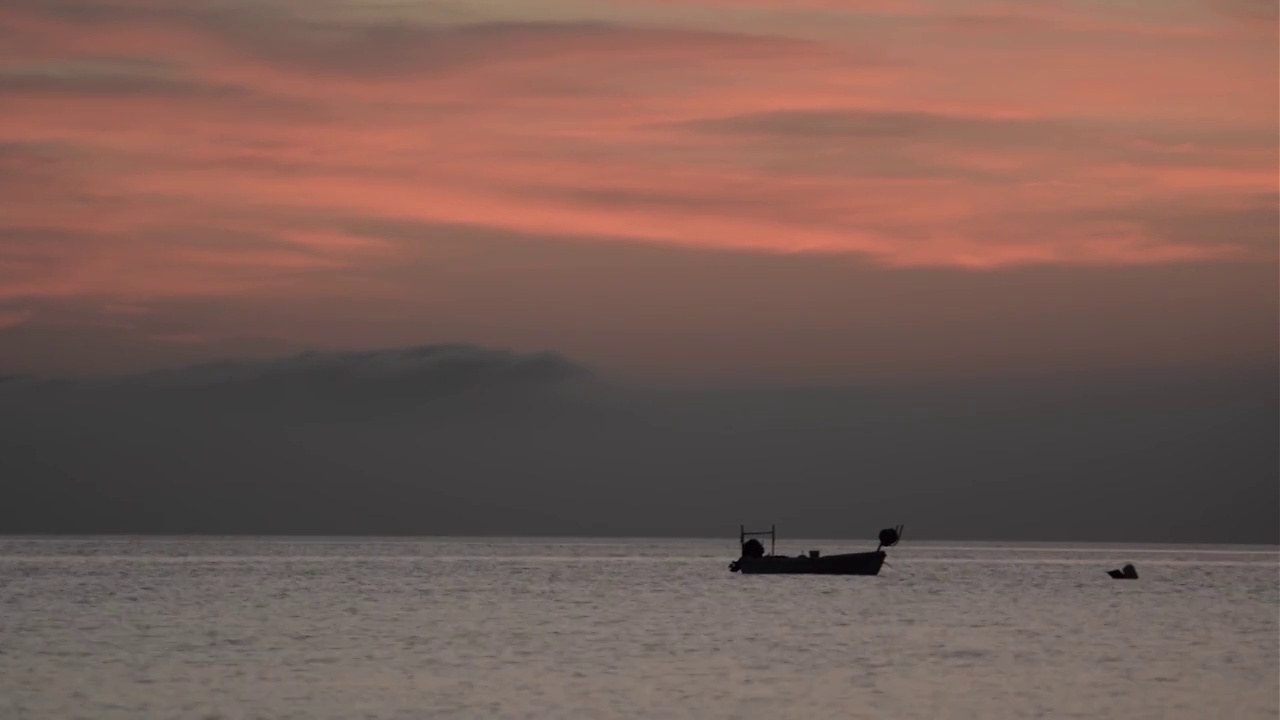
[866, 563]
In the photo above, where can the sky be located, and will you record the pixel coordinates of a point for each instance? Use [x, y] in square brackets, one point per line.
[746, 190]
[992, 269]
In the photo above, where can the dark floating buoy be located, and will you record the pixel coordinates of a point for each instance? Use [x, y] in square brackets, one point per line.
[1128, 572]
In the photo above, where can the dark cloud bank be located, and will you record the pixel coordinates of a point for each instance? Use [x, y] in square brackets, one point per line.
[461, 440]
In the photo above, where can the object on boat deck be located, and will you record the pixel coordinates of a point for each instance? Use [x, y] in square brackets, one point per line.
[1128, 572]
[753, 560]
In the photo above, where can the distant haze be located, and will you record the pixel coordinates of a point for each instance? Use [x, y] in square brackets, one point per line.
[464, 440]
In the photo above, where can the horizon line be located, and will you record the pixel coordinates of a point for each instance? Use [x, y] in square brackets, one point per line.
[345, 537]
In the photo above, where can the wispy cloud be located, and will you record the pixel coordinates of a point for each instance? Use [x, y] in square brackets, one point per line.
[107, 77]
[199, 148]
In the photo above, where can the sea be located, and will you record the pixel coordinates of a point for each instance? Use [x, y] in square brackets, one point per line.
[363, 628]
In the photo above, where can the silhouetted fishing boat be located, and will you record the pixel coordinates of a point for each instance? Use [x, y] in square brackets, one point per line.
[754, 560]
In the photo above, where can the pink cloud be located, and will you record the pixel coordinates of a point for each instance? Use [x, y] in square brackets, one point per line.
[919, 137]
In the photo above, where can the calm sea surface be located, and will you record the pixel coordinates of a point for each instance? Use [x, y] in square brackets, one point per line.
[538, 628]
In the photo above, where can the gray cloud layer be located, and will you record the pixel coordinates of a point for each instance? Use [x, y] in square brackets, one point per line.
[459, 439]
